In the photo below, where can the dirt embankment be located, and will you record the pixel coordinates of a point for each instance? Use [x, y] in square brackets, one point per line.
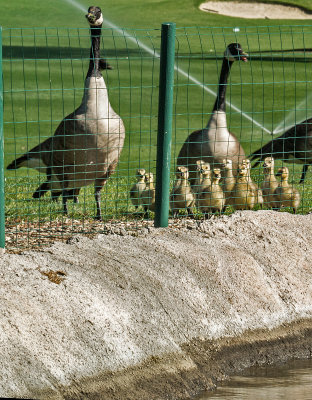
[159, 316]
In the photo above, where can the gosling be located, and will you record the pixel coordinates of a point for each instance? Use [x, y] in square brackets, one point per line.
[203, 178]
[253, 185]
[211, 197]
[148, 194]
[244, 197]
[228, 181]
[270, 183]
[137, 189]
[286, 194]
[182, 196]
[199, 177]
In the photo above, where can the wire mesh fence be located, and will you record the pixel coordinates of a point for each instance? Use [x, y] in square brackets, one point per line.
[44, 77]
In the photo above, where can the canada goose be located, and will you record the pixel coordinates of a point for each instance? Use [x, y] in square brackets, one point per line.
[252, 184]
[214, 142]
[294, 146]
[148, 195]
[38, 153]
[211, 197]
[181, 196]
[244, 197]
[286, 195]
[137, 189]
[86, 146]
[269, 183]
[228, 181]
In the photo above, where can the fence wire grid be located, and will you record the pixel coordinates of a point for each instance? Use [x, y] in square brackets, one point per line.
[44, 71]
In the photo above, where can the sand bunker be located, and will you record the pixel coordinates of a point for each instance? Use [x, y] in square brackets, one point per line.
[255, 10]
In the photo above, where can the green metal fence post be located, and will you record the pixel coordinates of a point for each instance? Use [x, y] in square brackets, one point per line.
[166, 78]
[2, 221]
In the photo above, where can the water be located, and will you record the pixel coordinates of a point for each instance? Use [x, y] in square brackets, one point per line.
[291, 381]
[300, 113]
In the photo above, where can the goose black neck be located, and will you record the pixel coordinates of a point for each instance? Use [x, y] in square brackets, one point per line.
[225, 71]
[94, 69]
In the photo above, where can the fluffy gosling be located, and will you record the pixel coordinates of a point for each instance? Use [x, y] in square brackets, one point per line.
[148, 194]
[182, 196]
[244, 197]
[253, 185]
[285, 194]
[270, 183]
[228, 181]
[211, 197]
[137, 189]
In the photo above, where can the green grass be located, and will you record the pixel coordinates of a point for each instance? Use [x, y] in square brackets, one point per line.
[44, 69]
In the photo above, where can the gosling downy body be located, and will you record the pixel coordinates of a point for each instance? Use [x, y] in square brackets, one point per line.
[211, 198]
[182, 196]
[148, 195]
[286, 195]
[269, 183]
[138, 188]
[244, 197]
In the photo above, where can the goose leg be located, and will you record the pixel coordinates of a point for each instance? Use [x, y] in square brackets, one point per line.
[74, 194]
[304, 171]
[41, 190]
[97, 195]
[65, 195]
[190, 212]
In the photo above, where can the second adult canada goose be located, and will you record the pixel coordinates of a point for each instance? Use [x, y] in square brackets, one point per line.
[214, 142]
[294, 146]
[86, 146]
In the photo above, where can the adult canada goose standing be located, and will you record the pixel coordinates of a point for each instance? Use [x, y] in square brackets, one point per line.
[214, 143]
[294, 146]
[39, 152]
[86, 146]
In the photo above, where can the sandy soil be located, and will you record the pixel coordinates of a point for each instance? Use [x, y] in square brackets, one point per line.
[254, 10]
[159, 315]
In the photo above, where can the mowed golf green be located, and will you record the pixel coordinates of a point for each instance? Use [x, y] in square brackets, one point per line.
[45, 60]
